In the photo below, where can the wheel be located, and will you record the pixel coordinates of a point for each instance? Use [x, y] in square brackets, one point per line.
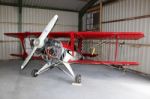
[33, 73]
[78, 78]
[51, 67]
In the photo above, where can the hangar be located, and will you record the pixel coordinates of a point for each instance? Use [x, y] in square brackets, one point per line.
[103, 45]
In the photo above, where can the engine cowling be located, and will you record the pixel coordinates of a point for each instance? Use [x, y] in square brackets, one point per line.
[52, 48]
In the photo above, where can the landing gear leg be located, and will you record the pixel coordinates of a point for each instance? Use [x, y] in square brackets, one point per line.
[46, 67]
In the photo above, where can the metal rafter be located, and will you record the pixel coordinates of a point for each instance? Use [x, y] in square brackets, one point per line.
[31, 6]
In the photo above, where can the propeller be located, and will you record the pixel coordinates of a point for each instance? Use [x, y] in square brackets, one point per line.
[39, 42]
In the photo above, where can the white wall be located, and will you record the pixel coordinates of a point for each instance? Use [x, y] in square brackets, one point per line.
[8, 23]
[37, 19]
[32, 20]
[127, 9]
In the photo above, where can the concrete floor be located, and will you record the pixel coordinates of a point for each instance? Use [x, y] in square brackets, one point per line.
[98, 82]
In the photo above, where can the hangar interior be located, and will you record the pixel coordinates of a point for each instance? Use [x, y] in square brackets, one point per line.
[98, 81]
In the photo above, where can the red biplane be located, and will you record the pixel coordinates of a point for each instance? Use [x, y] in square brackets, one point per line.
[56, 52]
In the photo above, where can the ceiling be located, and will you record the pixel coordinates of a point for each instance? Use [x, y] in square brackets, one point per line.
[74, 5]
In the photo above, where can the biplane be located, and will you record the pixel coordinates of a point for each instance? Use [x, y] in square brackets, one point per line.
[56, 52]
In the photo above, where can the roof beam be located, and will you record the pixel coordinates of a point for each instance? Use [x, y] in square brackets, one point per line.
[8, 4]
[50, 8]
[109, 2]
[39, 7]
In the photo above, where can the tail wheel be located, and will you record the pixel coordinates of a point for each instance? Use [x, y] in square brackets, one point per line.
[34, 73]
[78, 78]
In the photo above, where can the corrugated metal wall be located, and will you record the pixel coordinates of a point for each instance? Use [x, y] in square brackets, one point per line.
[8, 23]
[37, 19]
[127, 9]
[32, 20]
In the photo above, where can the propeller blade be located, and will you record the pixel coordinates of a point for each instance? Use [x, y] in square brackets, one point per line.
[38, 43]
[47, 30]
[28, 58]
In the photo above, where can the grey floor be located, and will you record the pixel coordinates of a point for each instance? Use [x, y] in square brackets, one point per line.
[98, 82]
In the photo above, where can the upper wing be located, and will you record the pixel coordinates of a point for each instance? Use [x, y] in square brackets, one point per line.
[25, 34]
[85, 35]
[111, 35]
[37, 34]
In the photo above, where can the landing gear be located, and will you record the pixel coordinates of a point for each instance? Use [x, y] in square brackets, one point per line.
[78, 78]
[51, 67]
[34, 73]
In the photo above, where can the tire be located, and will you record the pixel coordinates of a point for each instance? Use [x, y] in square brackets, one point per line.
[33, 73]
[51, 67]
[78, 78]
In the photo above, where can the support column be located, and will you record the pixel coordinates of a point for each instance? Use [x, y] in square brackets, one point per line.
[80, 22]
[19, 15]
[20, 25]
[100, 16]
